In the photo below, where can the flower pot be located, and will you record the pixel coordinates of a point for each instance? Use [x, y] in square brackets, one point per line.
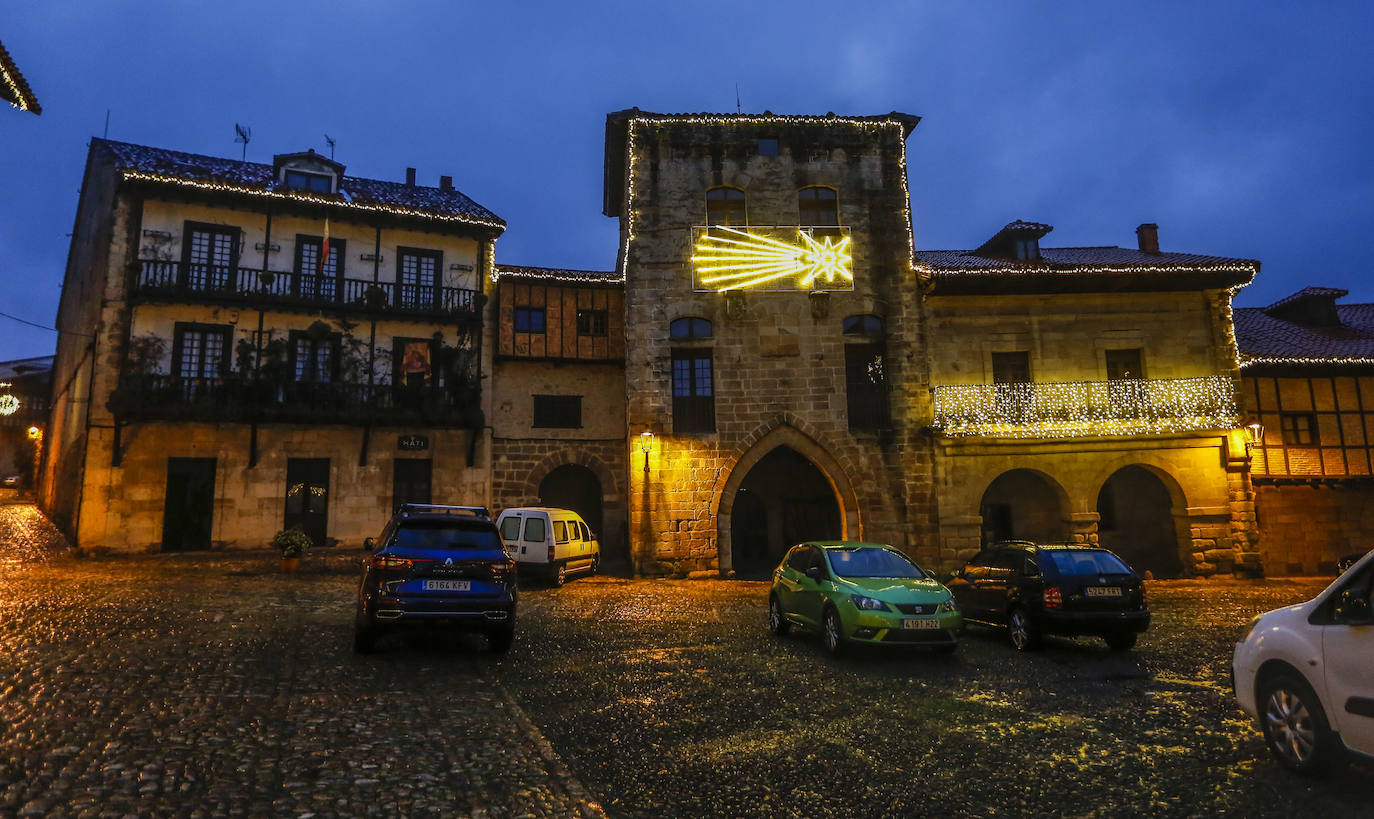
[290, 564]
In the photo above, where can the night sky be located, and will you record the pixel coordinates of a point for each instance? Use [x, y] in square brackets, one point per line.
[1241, 128]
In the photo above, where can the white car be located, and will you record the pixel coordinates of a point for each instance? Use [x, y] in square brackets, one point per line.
[553, 542]
[1306, 673]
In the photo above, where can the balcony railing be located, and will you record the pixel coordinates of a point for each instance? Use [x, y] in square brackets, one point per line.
[172, 398]
[1073, 409]
[188, 281]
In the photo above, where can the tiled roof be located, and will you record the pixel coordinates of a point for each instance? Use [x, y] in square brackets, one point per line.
[13, 88]
[1264, 339]
[560, 273]
[1309, 292]
[353, 190]
[1066, 258]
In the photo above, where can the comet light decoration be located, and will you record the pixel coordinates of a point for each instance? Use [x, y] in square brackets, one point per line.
[727, 258]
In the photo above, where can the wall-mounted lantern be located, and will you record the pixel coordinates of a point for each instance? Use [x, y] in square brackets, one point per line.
[646, 445]
[1254, 434]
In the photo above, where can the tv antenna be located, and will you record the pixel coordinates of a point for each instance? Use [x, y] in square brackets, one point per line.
[244, 133]
[330, 140]
[738, 109]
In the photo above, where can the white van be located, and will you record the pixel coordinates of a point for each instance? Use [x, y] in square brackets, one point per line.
[554, 542]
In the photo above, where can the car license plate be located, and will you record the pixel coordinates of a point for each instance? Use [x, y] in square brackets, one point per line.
[1102, 591]
[920, 624]
[448, 585]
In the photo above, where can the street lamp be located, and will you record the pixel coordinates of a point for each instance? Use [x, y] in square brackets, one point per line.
[646, 445]
[1254, 435]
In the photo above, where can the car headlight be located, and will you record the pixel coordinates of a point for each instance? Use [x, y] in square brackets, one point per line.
[949, 605]
[1249, 628]
[867, 603]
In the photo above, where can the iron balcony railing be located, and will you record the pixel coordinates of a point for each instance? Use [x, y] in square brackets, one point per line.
[1072, 409]
[156, 279]
[231, 398]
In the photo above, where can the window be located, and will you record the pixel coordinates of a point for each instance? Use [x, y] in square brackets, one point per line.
[417, 273]
[198, 350]
[1299, 428]
[1027, 250]
[689, 329]
[1125, 364]
[510, 528]
[586, 533]
[529, 319]
[1009, 372]
[313, 182]
[865, 380]
[314, 280]
[862, 326]
[574, 532]
[560, 532]
[535, 530]
[558, 411]
[591, 322]
[818, 206]
[210, 256]
[694, 407]
[314, 358]
[725, 206]
[768, 146]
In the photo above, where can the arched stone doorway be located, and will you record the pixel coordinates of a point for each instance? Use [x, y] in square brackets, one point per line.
[1137, 519]
[575, 487]
[783, 499]
[1023, 504]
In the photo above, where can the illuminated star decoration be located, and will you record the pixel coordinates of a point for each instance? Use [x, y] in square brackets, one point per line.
[9, 405]
[730, 259]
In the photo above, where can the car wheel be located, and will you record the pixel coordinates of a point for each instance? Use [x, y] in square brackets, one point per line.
[1121, 640]
[832, 633]
[560, 575]
[1024, 636]
[501, 638]
[1295, 726]
[364, 640]
[776, 622]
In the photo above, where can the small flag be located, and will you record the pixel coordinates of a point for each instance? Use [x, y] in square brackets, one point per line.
[324, 246]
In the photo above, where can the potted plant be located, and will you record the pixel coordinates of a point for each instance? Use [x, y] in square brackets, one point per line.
[292, 543]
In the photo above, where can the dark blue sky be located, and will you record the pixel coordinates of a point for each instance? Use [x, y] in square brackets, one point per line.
[1242, 128]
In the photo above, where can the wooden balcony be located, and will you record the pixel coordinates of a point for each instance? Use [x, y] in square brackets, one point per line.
[236, 399]
[1079, 409]
[175, 281]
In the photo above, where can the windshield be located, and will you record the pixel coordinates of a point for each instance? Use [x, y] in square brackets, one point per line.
[445, 534]
[1075, 562]
[872, 562]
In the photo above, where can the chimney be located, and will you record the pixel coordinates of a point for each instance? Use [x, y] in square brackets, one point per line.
[1148, 235]
[410, 177]
[446, 183]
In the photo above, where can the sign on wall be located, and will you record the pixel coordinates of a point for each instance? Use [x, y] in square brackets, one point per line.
[778, 258]
[412, 443]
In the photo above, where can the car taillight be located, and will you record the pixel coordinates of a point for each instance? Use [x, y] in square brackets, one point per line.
[550, 550]
[502, 571]
[1053, 598]
[389, 563]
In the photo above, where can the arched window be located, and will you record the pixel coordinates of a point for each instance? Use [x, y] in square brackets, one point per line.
[689, 329]
[863, 326]
[725, 206]
[818, 206]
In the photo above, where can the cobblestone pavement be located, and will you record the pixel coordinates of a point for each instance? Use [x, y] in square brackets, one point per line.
[213, 685]
[216, 686]
[26, 537]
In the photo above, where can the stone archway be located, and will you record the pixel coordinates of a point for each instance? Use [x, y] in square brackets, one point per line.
[783, 500]
[1141, 517]
[782, 435]
[1025, 504]
[568, 472]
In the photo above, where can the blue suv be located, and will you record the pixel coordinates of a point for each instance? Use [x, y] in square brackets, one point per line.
[437, 566]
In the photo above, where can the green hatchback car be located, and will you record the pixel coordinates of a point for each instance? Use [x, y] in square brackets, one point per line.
[855, 593]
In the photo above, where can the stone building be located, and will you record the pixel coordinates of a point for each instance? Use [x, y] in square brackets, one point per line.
[25, 385]
[1088, 394]
[248, 347]
[1308, 366]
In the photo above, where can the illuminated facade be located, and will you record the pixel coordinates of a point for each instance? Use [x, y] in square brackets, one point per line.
[1308, 378]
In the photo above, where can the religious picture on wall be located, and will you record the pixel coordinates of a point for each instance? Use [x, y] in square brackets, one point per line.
[415, 369]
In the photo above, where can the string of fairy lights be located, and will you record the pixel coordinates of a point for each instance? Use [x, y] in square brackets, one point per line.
[301, 196]
[1281, 361]
[1073, 409]
[1076, 270]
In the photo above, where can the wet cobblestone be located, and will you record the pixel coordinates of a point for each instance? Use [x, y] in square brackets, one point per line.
[213, 686]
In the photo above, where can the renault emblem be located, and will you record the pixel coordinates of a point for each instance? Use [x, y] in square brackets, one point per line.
[448, 561]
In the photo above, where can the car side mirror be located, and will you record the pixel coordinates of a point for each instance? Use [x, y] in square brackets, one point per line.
[815, 573]
[1353, 609]
[369, 544]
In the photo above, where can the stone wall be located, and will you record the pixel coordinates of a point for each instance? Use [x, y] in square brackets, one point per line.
[1305, 529]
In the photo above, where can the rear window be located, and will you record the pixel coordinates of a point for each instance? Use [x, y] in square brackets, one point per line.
[445, 534]
[1075, 562]
[510, 528]
[872, 563]
[535, 531]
